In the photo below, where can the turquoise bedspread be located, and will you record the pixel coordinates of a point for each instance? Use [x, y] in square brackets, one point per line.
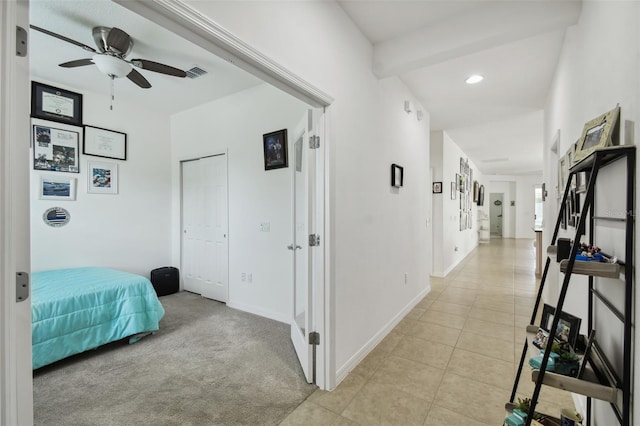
[74, 310]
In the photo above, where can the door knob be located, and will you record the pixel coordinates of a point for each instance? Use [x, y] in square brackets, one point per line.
[298, 247]
[290, 246]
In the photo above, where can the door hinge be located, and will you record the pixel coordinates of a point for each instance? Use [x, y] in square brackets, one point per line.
[22, 286]
[314, 338]
[314, 240]
[314, 142]
[21, 42]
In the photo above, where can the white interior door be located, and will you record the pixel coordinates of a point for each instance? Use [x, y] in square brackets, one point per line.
[205, 248]
[16, 394]
[303, 170]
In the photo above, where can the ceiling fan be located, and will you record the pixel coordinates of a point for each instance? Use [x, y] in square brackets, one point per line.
[113, 47]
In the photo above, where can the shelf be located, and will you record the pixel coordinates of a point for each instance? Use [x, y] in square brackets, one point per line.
[596, 269]
[546, 420]
[608, 155]
[586, 386]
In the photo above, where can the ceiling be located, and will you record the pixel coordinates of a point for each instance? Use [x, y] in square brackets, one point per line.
[431, 45]
[76, 18]
[434, 45]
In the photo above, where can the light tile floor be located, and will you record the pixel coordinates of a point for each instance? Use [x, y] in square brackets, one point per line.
[453, 358]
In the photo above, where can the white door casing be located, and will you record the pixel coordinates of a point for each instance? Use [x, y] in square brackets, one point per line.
[205, 250]
[16, 395]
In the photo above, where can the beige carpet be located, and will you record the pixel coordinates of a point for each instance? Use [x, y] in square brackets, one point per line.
[208, 365]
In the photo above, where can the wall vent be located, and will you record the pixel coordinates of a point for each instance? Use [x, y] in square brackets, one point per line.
[195, 72]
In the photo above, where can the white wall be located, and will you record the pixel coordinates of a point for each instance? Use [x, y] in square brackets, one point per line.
[128, 231]
[453, 244]
[518, 220]
[235, 124]
[585, 86]
[377, 234]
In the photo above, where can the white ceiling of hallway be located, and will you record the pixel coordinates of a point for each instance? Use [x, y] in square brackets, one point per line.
[431, 45]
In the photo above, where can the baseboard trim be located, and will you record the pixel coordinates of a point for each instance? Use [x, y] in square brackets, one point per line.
[353, 362]
[257, 311]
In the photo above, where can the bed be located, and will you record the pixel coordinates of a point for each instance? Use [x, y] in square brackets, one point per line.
[74, 310]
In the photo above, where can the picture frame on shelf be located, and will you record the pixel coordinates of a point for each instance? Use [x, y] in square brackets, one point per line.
[437, 187]
[102, 178]
[275, 149]
[568, 325]
[397, 176]
[55, 104]
[57, 188]
[598, 133]
[55, 150]
[104, 143]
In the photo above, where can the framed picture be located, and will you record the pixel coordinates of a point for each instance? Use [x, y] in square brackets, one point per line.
[52, 103]
[582, 178]
[104, 143]
[454, 190]
[57, 188]
[568, 325]
[397, 176]
[475, 191]
[481, 195]
[102, 178]
[55, 150]
[598, 133]
[275, 150]
[437, 187]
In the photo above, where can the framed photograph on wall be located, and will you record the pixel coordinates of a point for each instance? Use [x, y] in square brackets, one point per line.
[52, 103]
[397, 176]
[274, 145]
[437, 187]
[55, 150]
[104, 143]
[454, 190]
[102, 178]
[57, 188]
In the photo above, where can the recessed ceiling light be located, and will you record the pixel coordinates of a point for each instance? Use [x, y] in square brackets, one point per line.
[476, 78]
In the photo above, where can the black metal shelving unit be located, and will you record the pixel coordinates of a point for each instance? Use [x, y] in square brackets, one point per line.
[602, 382]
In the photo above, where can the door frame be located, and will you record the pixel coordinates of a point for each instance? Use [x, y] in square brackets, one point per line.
[181, 162]
[16, 383]
[202, 31]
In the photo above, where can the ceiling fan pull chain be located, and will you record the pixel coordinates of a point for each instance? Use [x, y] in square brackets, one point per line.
[112, 93]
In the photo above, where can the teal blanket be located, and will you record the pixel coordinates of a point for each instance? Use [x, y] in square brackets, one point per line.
[74, 310]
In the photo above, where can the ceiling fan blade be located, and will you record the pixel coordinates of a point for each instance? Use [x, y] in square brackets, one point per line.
[138, 79]
[158, 67]
[119, 40]
[63, 38]
[76, 63]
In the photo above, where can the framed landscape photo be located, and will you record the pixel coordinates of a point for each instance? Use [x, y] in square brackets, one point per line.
[54, 104]
[598, 133]
[57, 188]
[275, 149]
[102, 178]
[55, 150]
[104, 143]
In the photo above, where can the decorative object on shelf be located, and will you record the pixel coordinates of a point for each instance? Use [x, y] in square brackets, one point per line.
[57, 188]
[102, 178]
[568, 325]
[56, 217]
[52, 103]
[567, 365]
[275, 149]
[570, 417]
[454, 190]
[598, 133]
[397, 176]
[55, 150]
[105, 143]
[437, 187]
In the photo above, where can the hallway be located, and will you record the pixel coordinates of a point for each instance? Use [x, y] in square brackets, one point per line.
[452, 359]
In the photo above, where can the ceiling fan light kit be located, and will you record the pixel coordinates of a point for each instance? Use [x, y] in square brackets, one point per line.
[112, 66]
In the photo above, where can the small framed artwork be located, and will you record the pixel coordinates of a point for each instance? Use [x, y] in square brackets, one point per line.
[475, 191]
[437, 187]
[104, 143]
[55, 150]
[598, 133]
[102, 178]
[54, 104]
[57, 188]
[454, 190]
[275, 149]
[568, 325]
[481, 195]
[397, 176]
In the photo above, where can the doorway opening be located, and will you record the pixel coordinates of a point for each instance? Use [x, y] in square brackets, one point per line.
[496, 213]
